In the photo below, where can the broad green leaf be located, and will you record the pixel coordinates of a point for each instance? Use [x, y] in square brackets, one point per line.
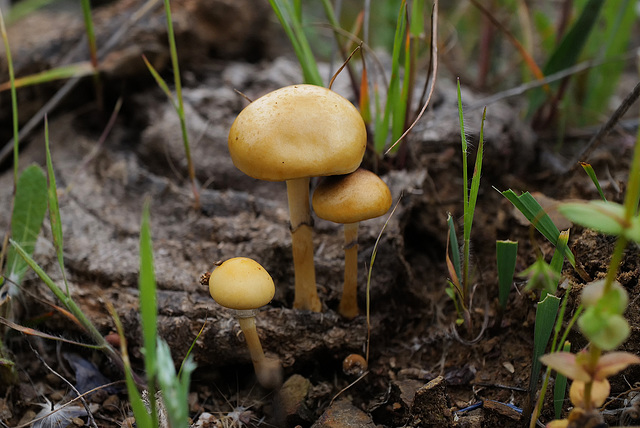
[506, 254]
[29, 208]
[545, 319]
[604, 217]
[532, 210]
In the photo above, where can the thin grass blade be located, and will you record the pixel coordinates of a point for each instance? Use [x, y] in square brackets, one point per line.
[175, 389]
[14, 97]
[365, 101]
[475, 179]
[54, 208]
[506, 255]
[560, 387]
[161, 83]
[33, 332]
[592, 175]
[455, 248]
[59, 73]
[148, 299]
[546, 313]
[143, 418]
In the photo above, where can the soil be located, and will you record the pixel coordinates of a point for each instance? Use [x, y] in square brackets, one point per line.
[422, 369]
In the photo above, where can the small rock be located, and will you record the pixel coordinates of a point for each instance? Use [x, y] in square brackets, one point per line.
[430, 404]
[291, 404]
[343, 414]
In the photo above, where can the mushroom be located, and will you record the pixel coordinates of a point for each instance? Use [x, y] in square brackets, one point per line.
[292, 134]
[244, 285]
[350, 199]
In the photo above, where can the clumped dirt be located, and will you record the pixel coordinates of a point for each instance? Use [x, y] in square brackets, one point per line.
[422, 370]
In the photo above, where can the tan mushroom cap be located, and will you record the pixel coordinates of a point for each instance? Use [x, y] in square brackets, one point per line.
[351, 198]
[241, 283]
[298, 131]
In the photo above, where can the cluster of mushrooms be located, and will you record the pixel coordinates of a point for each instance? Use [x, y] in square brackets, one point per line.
[292, 134]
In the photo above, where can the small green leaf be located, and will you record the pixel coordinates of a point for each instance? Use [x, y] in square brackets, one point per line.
[604, 217]
[541, 276]
[29, 208]
[592, 175]
[605, 330]
[506, 254]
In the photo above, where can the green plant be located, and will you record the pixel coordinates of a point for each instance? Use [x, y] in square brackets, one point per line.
[395, 118]
[605, 302]
[460, 277]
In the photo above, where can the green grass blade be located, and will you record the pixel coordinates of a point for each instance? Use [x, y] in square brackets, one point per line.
[66, 301]
[455, 247]
[616, 29]
[545, 320]
[592, 175]
[161, 83]
[531, 209]
[569, 49]
[91, 35]
[14, 97]
[416, 25]
[54, 208]
[79, 69]
[558, 256]
[475, 179]
[180, 109]
[291, 23]
[29, 208]
[560, 388]
[148, 304]
[175, 389]
[506, 255]
[143, 418]
[399, 109]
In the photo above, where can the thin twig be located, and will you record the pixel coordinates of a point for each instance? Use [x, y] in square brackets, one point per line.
[595, 141]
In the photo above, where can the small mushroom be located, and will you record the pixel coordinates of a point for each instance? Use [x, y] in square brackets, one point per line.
[292, 134]
[243, 285]
[350, 199]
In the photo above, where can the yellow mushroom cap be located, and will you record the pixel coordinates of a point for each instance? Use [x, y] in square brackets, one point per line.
[351, 198]
[296, 132]
[241, 283]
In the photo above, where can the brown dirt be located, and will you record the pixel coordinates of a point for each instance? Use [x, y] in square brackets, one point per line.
[412, 334]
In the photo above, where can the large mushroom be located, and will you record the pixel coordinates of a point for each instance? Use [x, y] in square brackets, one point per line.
[292, 134]
[350, 199]
[244, 285]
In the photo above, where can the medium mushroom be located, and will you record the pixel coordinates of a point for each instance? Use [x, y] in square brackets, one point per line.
[350, 199]
[244, 285]
[292, 134]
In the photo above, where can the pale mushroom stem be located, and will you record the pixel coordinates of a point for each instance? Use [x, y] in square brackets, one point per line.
[349, 302]
[306, 294]
[248, 326]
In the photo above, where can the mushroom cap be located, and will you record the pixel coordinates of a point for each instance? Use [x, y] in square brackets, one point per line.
[351, 198]
[241, 283]
[296, 132]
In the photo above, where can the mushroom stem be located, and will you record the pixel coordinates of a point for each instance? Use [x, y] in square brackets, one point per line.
[349, 302]
[306, 294]
[248, 326]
